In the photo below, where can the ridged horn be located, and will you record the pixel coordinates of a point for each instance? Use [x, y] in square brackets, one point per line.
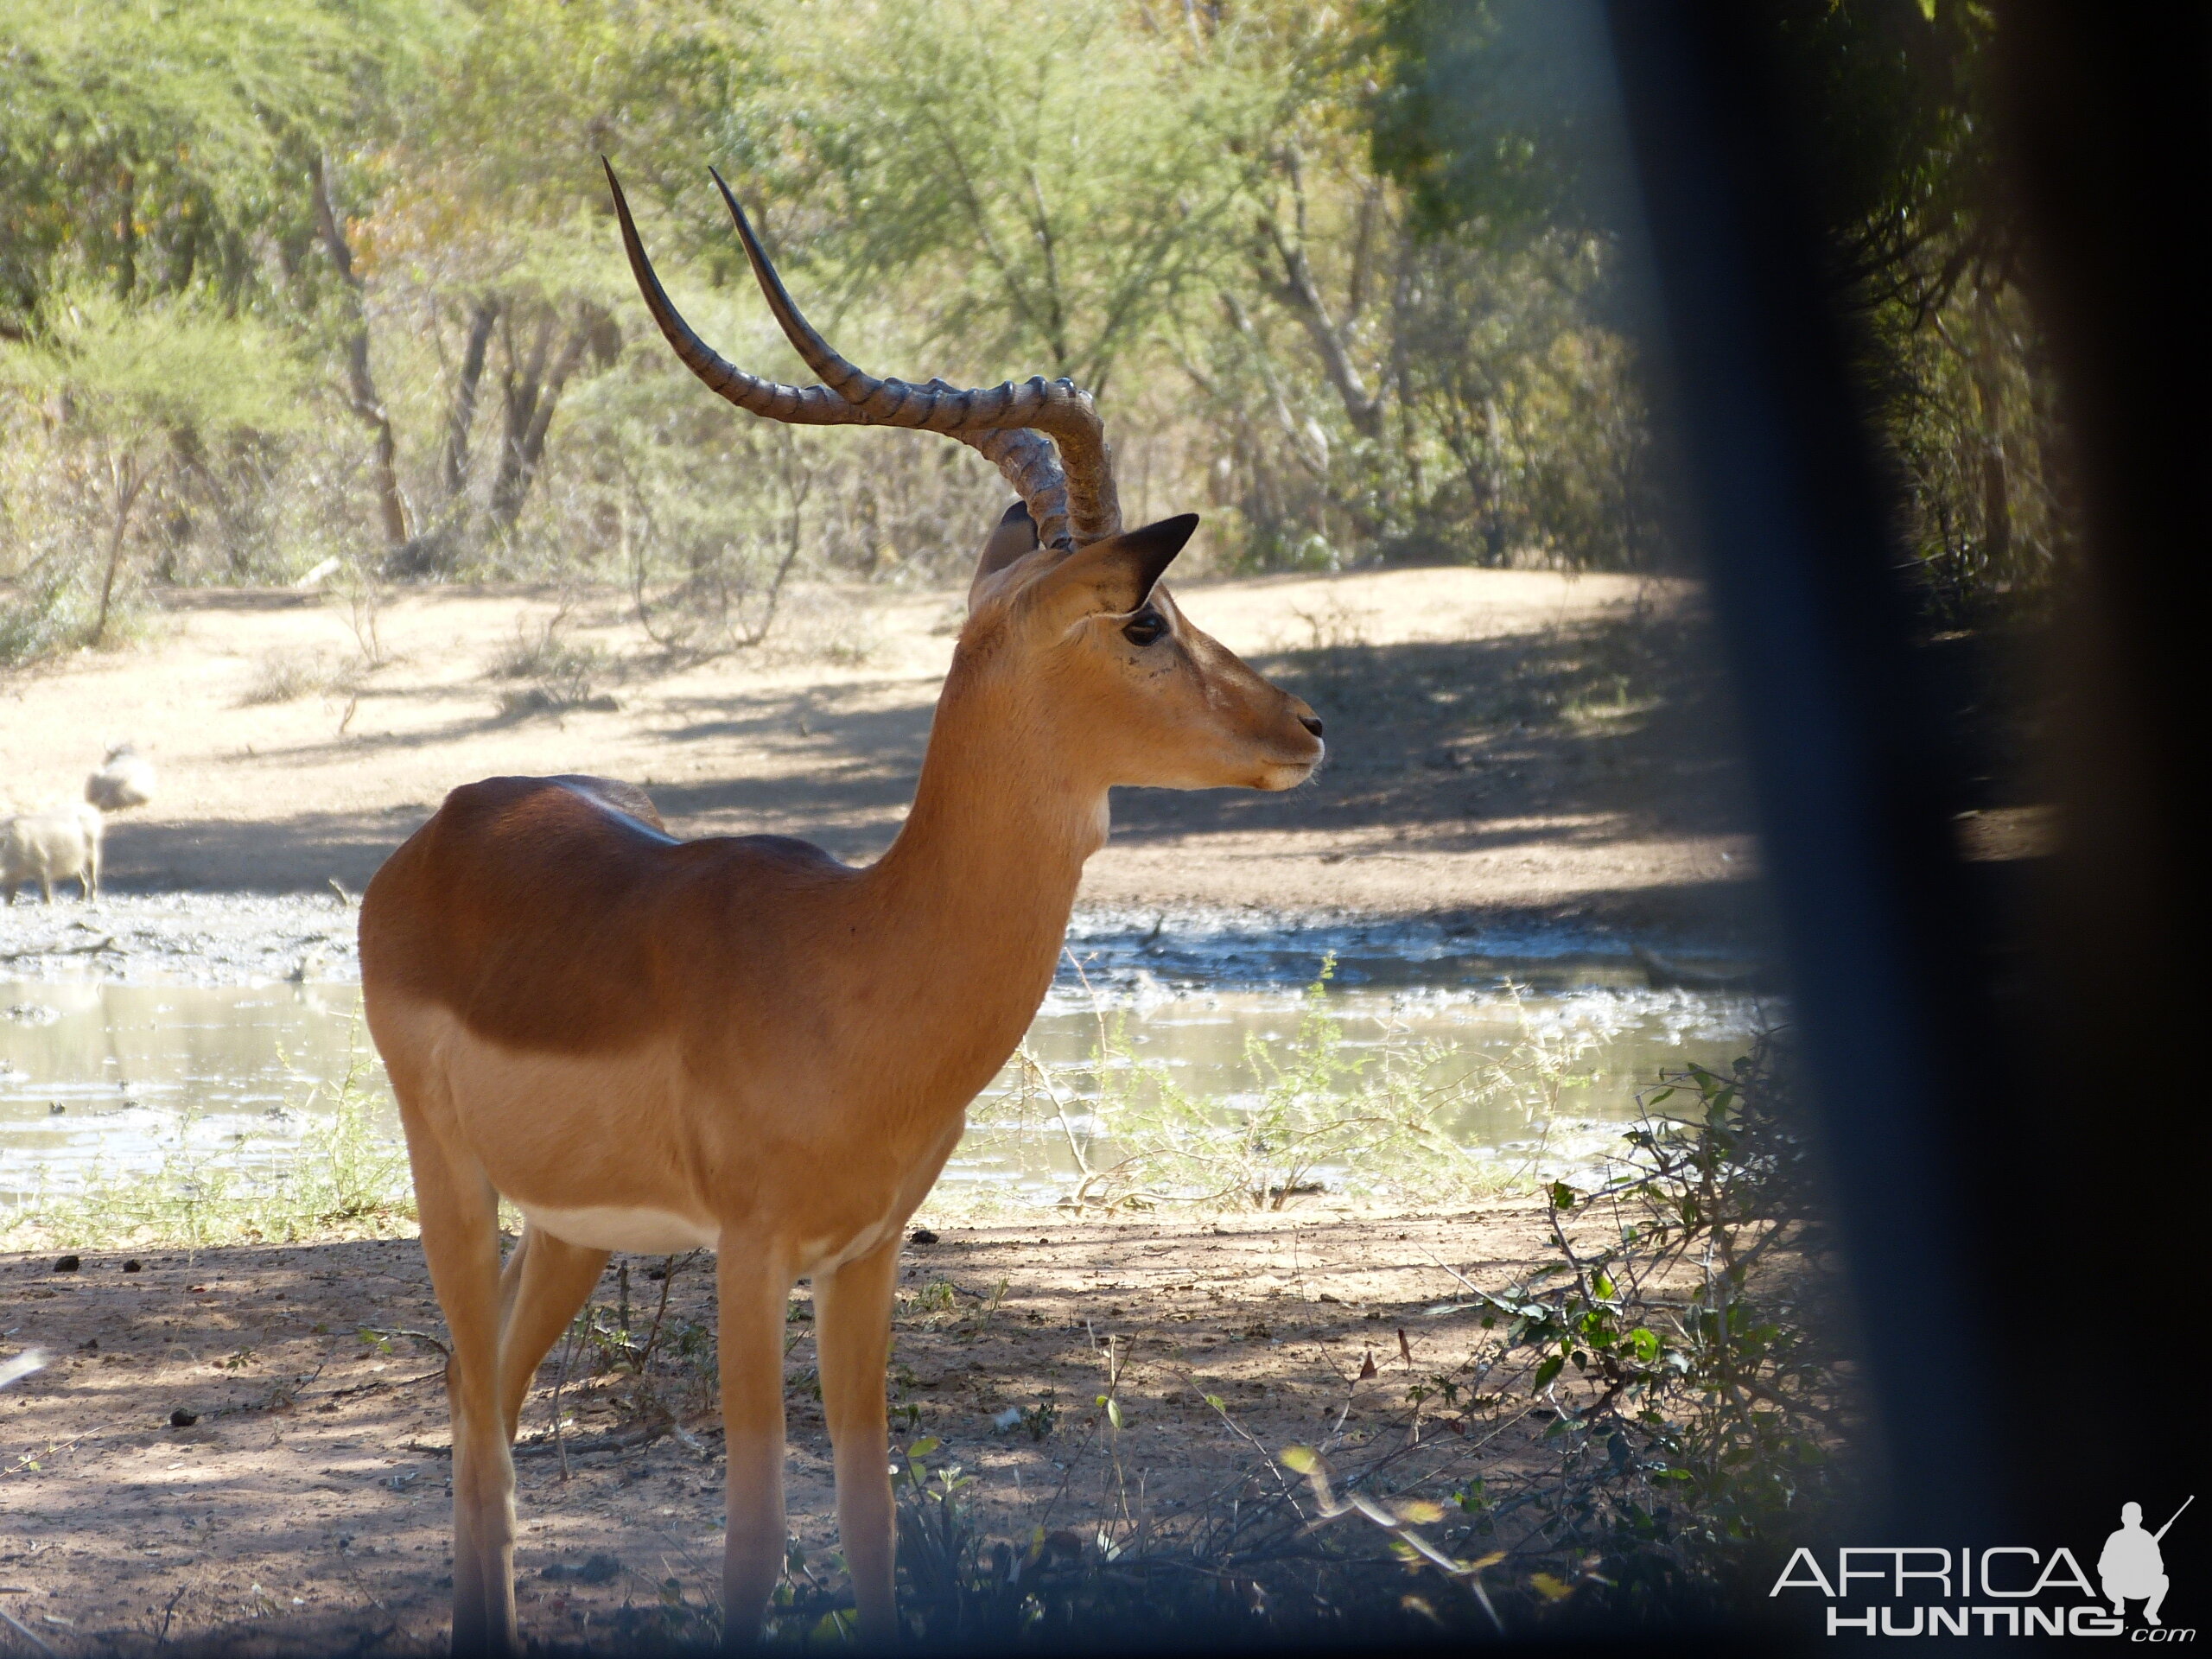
[1069, 496]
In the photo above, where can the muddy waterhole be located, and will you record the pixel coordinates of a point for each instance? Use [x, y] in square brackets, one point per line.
[1165, 1060]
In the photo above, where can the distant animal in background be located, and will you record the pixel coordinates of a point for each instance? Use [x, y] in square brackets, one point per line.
[125, 780]
[56, 843]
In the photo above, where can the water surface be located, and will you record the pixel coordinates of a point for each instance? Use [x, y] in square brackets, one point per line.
[103, 1077]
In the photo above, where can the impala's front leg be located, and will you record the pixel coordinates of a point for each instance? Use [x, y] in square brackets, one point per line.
[461, 1242]
[754, 1288]
[853, 1342]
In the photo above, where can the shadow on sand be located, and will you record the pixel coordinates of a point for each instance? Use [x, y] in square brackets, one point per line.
[1613, 729]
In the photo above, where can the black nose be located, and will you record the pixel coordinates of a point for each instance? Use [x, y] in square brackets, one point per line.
[1312, 723]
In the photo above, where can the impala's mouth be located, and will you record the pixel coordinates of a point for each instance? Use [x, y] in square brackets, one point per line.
[1288, 774]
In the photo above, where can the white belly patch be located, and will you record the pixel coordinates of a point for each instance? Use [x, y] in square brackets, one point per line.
[610, 1227]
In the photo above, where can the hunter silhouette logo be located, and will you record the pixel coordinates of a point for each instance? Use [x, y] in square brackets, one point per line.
[2132, 1567]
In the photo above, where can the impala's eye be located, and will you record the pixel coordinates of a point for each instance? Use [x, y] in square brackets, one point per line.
[1146, 627]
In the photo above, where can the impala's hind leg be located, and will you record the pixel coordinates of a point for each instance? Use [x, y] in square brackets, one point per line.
[545, 1282]
[461, 1240]
[853, 1338]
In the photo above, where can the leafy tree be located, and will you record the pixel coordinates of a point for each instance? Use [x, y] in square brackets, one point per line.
[1497, 115]
[129, 388]
[145, 147]
[1897, 130]
[484, 232]
[174, 150]
[1348, 277]
[1452, 381]
[1480, 116]
[1897, 98]
[1055, 180]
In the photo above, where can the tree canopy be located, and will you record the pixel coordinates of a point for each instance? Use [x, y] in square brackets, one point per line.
[1345, 278]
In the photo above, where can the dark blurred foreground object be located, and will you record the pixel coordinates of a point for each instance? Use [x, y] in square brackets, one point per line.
[2010, 1174]
[2106, 136]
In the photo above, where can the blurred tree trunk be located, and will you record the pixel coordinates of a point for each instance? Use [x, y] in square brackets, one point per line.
[460, 419]
[1996, 471]
[127, 479]
[530, 391]
[1298, 291]
[363, 385]
[126, 237]
[1977, 354]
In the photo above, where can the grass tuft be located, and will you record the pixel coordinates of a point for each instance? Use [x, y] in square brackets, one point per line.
[286, 676]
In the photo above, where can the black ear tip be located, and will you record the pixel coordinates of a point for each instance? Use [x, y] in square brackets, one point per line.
[1170, 532]
[1018, 514]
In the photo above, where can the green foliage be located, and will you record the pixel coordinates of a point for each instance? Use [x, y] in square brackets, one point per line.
[1900, 122]
[1493, 114]
[128, 395]
[938, 1542]
[50, 611]
[1683, 1344]
[125, 372]
[1672, 1376]
[1347, 279]
[1730, 1408]
[958, 190]
[1479, 114]
[1059, 178]
[937, 1296]
[139, 144]
[1313, 1109]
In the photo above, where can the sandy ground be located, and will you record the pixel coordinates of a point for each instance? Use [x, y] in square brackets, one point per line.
[306, 1509]
[1502, 741]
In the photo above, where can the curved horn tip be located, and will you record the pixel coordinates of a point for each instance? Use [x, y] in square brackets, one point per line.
[730, 199]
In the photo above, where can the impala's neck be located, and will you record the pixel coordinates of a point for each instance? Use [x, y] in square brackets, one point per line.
[978, 885]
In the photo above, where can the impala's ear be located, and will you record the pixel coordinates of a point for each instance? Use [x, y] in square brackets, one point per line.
[1014, 537]
[1114, 576]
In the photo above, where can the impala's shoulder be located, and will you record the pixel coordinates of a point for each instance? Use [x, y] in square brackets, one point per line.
[615, 795]
[571, 798]
[748, 870]
[785, 852]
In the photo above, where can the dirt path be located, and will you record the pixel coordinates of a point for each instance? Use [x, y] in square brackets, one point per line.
[306, 1510]
[1502, 742]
